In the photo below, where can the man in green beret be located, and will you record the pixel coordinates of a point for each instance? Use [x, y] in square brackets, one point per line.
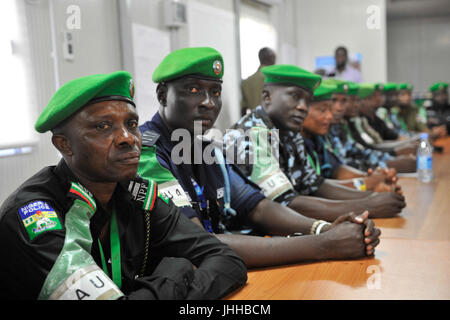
[351, 149]
[389, 101]
[90, 228]
[219, 197]
[408, 111]
[378, 135]
[358, 125]
[362, 104]
[371, 100]
[389, 110]
[285, 101]
[438, 114]
[324, 158]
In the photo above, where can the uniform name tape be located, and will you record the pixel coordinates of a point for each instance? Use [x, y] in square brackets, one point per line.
[174, 192]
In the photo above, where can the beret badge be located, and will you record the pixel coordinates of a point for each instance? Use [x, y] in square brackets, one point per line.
[132, 89]
[217, 67]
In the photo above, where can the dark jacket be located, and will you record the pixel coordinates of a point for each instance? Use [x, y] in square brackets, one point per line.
[176, 245]
[244, 195]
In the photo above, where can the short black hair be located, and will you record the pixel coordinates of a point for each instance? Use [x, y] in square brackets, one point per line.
[266, 56]
[341, 48]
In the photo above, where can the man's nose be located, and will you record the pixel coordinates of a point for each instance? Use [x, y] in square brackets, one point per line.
[124, 137]
[328, 115]
[208, 102]
[301, 105]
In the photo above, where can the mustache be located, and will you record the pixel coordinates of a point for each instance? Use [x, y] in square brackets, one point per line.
[131, 152]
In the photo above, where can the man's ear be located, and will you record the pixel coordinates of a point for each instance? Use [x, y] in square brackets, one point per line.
[62, 144]
[266, 97]
[161, 93]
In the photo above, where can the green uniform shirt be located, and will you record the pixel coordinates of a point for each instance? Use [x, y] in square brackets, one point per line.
[252, 88]
[411, 119]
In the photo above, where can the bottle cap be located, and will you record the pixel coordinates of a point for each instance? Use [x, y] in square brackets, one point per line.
[424, 136]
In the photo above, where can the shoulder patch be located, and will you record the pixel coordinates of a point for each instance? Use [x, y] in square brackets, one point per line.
[39, 217]
[149, 138]
[77, 191]
[144, 192]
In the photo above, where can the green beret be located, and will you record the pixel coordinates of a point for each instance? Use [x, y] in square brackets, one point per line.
[324, 92]
[390, 86]
[366, 89]
[77, 93]
[405, 86]
[439, 86]
[340, 86]
[353, 88]
[379, 86]
[203, 62]
[291, 75]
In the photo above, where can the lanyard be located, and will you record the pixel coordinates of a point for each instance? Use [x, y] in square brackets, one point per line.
[403, 124]
[329, 146]
[347, 131]
[204, 205]
[115, 252]
[316, 165]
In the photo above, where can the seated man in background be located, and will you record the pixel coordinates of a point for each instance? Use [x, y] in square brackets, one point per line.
[383, 111]
[438, 115]
[408, 111]
[373, 100]
[289, 178]
[66, 221]
[361, 130]
[215, 194]
[322, 156]
[347, 149]
[350, 151]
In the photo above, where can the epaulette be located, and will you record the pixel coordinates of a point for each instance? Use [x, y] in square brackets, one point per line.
[149, 138]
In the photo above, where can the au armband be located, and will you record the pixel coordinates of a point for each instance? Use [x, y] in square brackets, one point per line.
[274, 184]
[75, 275]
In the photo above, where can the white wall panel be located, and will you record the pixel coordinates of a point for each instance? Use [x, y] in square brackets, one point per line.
[419, 51]
[97, 50]
[214, 27]
[322, 25]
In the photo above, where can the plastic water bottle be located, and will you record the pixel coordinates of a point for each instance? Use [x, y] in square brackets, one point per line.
[424, 159]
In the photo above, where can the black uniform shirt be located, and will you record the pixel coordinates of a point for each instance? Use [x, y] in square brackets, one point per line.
[320, 155]
[438, 115]
[292, 155]
[381, 127]
[176, 244]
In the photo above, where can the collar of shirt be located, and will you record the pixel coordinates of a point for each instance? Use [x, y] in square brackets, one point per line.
[122, 201]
